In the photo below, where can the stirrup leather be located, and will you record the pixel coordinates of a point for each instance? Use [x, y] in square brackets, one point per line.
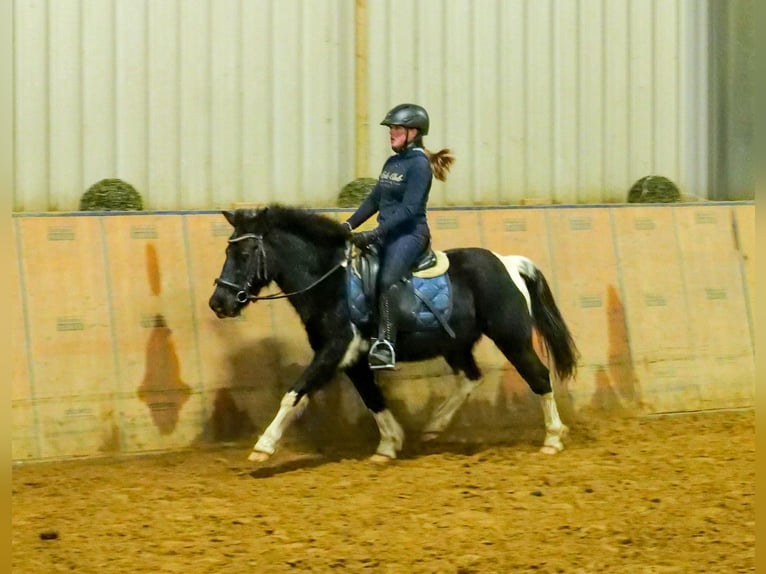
[382, 355]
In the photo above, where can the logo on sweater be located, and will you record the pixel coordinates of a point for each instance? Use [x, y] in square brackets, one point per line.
[392, 176]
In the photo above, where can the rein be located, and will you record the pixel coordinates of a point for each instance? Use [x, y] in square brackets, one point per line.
[282, 294]
[243, 295]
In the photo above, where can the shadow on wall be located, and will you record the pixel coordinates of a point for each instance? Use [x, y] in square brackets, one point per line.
[228, 423]
[253, 390]
[247, 396]
[162, 389]
[503, 409]
[616, 384]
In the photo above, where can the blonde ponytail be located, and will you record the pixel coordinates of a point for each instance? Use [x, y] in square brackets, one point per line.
[441, 161]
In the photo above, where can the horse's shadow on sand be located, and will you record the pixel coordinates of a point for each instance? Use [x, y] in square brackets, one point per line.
[302, 456]
[287, 462]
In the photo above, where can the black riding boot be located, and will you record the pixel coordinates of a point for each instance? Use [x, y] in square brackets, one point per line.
[382, 355]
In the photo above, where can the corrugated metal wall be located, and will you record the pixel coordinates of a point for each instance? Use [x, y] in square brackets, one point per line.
[198, 103]
[733, 73]
[569, 101]
[205, 103]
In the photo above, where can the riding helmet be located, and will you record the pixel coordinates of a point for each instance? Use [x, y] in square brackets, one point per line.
[409, 116]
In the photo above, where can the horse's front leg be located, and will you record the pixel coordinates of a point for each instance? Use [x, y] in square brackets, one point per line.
[317, 374]
[292, 405]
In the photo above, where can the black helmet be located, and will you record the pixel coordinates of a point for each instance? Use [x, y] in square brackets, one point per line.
[409, 116]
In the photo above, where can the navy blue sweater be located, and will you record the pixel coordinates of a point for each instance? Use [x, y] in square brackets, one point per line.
[400, 196]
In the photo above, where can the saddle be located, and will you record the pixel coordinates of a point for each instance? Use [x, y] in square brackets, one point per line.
[424, 303]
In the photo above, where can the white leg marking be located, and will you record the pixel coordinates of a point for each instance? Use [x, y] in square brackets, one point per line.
[357, 346]
[516, 265]
[555, 430]
[287, 413]
[442, 416]
[391, 434]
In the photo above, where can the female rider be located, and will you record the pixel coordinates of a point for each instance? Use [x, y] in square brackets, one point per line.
[399, 198]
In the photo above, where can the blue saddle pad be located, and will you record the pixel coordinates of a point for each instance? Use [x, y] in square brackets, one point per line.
[437, 290]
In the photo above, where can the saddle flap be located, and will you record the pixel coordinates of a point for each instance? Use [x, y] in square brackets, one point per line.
[366, 265]
[421, 303]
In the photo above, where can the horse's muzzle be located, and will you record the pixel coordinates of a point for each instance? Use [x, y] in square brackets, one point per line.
[221, 309]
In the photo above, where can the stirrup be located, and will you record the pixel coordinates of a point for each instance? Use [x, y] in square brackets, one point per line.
[381, 355]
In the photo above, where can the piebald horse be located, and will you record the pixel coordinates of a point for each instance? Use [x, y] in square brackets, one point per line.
[307, 255]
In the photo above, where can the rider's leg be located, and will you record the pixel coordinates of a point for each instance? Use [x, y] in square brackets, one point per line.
[382, 354]
[397, 261]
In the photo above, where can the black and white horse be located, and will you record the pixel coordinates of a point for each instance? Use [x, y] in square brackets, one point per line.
[306, 255]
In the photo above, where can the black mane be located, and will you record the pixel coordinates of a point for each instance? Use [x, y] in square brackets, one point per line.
[316, 227]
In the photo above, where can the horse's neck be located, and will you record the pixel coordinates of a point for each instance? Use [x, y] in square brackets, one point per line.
[294, 277]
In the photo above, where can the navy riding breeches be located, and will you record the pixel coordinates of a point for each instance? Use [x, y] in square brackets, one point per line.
[399, 256]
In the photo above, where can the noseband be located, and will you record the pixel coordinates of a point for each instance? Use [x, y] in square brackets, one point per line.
[256, 267]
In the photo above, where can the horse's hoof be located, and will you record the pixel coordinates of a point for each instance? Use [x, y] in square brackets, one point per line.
[429, 436]
[380, 459]
[548, 449]
[258, 456]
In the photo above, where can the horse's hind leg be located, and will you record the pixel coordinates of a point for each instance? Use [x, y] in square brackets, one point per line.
[555, 430]
[536, 374]
[391, 433]
[467, 378]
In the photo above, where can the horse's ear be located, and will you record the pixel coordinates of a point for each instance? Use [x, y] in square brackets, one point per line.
[262, 213]
[229, 215]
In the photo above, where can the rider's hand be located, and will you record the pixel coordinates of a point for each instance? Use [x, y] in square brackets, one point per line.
[364, 238]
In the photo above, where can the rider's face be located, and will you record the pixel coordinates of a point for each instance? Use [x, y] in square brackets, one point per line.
[398, 136]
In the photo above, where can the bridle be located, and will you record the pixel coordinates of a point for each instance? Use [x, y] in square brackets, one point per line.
[258, 268]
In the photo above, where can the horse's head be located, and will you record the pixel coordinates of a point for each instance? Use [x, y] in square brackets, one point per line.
[293, 247]
[245, 271]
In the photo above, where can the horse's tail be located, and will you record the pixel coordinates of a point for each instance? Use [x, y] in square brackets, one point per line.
[548, 320]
